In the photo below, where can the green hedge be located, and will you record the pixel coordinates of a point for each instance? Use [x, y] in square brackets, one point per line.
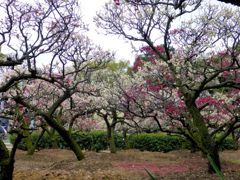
[156, 142]
[45, 142]
[229, 144]
[97, 140]
[94, 140]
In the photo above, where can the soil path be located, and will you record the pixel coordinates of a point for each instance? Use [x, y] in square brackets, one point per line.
[55, 164]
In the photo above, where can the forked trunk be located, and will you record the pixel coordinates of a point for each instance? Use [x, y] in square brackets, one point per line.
[66, 137]
[201, 135]
[34, 147]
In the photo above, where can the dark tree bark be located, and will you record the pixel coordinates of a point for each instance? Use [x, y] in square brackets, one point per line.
[51, 121]
[180, 3]
[234, 2]
[125, 137]
[66, 137]
[32, 150]
[111, 140]
[6, 160]
[215, 156]
[201, 135]
[110, 134]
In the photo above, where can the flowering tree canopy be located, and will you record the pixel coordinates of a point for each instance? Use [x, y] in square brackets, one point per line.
[188, 76]
[44, 61]
[33, 33]
[65, 90]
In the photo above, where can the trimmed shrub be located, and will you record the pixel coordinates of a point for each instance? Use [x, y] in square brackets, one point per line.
[45, 142]
[229, 144]
[97, 141]
[155, 142]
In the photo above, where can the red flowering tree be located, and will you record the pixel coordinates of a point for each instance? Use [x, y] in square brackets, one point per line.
[193, 76]
[161, 101]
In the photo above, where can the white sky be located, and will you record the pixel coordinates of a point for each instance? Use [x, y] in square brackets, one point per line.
[108, 42]
[122, 48]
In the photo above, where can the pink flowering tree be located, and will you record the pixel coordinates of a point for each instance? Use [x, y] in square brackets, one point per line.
[197, 66]
[28, 31]
[52, 100]
[34, 34]
[51, 96]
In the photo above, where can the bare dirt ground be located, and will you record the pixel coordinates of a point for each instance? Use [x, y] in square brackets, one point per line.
[55, 164]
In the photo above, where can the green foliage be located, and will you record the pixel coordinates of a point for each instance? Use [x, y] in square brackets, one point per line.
[229, 144]
[93, 141]
[97, 140]
[156, 142]
[45, 142]
[121, 66]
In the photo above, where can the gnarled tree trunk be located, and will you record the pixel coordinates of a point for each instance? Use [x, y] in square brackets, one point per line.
[201, 135]
[5, 170]
[66, 137]
[6, 160]
[34, 147]
[215, 157]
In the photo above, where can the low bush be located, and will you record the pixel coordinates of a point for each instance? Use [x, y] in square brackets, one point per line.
[45, 142]
[156, 142]
[97, 140]
[229, 144]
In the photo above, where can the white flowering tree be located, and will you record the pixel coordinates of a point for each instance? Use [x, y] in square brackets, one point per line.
[108, 101]
[193, 63]
[175, 3]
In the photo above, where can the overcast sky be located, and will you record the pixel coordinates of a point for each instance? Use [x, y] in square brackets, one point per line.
[120, 46]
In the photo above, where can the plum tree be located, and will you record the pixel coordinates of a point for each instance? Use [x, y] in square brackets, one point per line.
[108, 101]
[190, 66]
[36, 34]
